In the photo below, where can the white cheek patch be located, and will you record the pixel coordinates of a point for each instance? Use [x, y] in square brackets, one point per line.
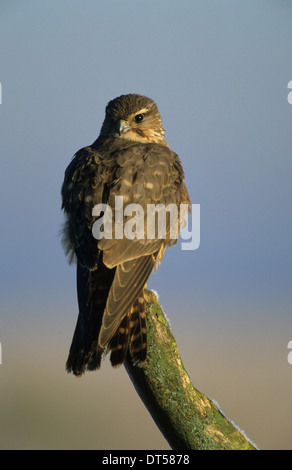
[133, 135]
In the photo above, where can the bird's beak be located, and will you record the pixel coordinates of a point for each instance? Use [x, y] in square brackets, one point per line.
[122, 126]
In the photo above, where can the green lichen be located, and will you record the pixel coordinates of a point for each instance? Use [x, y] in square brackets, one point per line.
[187, 418]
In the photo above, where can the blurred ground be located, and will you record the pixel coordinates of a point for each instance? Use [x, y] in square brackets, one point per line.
[42, 407]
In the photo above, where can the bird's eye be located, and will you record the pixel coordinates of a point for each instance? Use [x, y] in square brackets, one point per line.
[139, 117]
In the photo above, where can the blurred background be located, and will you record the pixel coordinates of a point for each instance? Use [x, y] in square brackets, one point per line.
[218, 72]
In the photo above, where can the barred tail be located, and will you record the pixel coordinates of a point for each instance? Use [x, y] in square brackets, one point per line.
[138, 332]
[132, 334]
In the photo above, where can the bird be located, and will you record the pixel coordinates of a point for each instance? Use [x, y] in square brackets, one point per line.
[129, 159]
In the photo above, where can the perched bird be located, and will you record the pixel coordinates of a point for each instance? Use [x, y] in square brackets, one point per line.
[130, 158]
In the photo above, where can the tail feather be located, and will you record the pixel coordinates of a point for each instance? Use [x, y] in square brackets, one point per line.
[131, 334]
[138, 332]
[118, 345]
[92, 287]
[85, 351]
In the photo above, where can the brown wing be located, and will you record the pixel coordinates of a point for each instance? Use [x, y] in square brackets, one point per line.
[145, 174]
[84, 186]
[129, 280]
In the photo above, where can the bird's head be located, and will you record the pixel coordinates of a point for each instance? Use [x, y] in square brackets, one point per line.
[133, 117]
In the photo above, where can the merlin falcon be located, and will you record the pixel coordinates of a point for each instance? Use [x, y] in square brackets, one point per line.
[129, 159]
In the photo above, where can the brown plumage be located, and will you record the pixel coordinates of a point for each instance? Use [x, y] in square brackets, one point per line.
[130, 158]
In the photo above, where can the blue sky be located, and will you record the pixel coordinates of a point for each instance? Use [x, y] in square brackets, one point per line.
[218, 71]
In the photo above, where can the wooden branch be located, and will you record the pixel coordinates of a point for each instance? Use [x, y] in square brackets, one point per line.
[187, 418]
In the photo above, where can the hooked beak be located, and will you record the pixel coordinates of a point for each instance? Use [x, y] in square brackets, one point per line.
[122, 126]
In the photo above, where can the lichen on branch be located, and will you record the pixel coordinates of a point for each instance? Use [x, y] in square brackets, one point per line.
[187, 418]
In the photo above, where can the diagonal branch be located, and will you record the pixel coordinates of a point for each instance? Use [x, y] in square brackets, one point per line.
[187, 418]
